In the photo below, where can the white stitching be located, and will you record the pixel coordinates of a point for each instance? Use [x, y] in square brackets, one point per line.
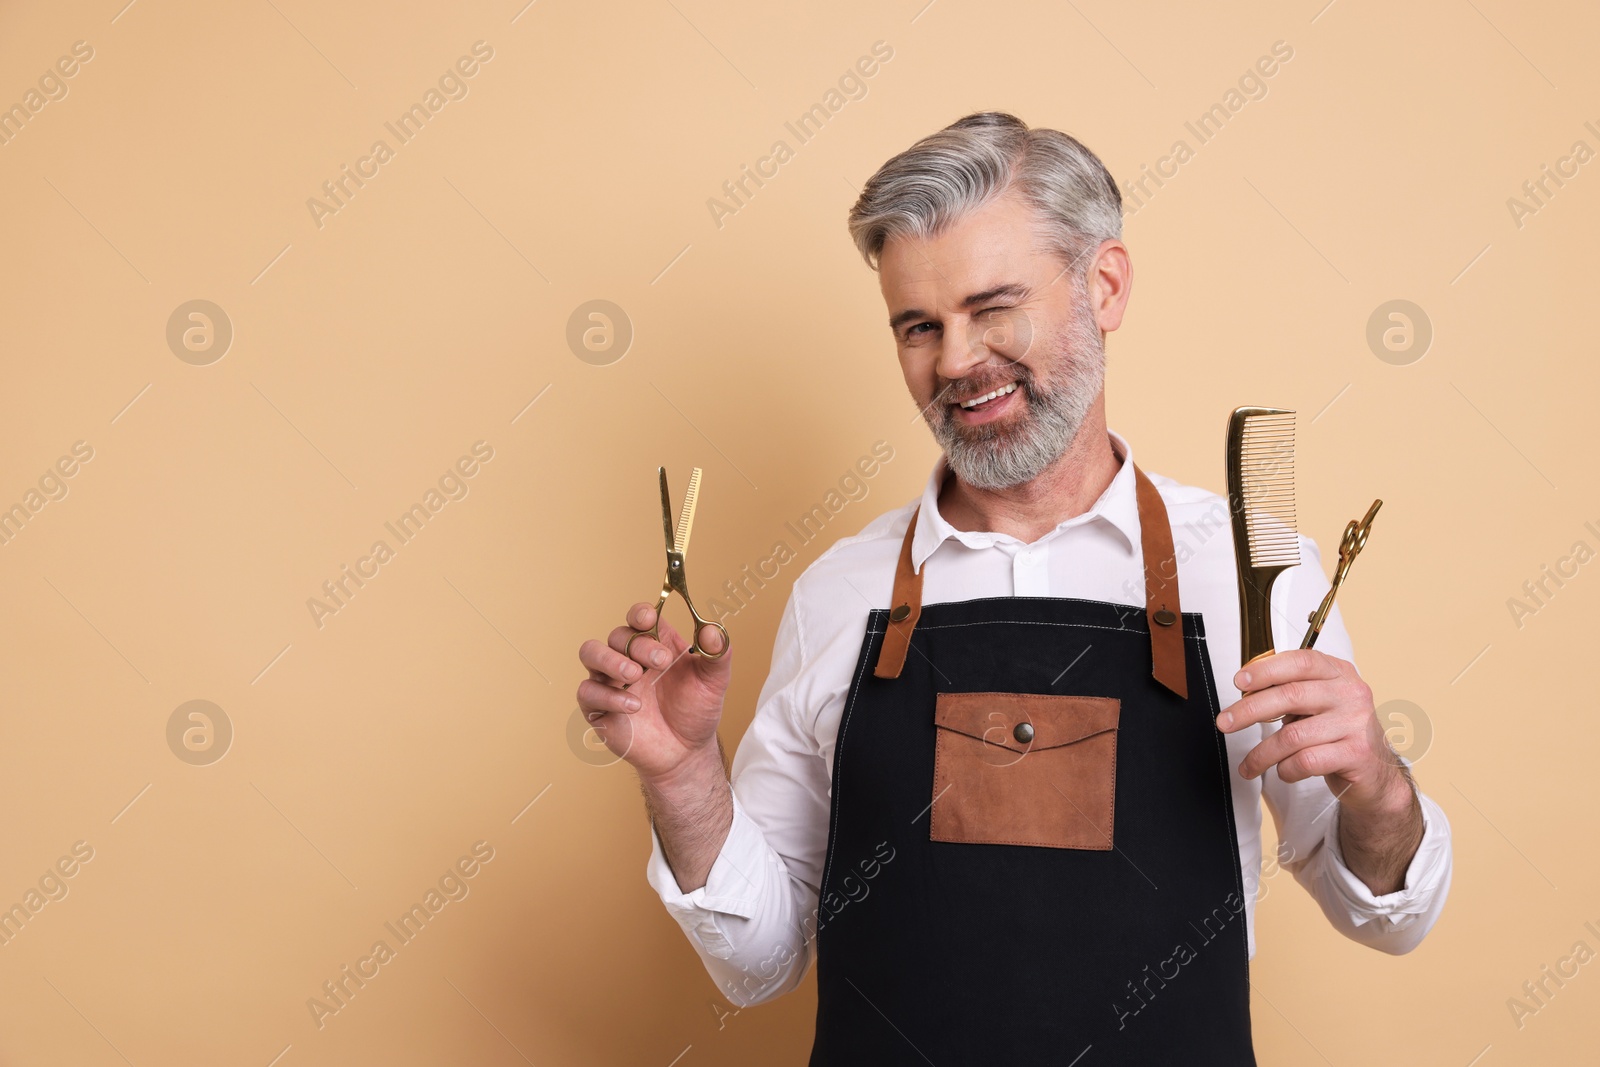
[1227, 794]
[1071, 599]
[838, 745]
[1034, 622]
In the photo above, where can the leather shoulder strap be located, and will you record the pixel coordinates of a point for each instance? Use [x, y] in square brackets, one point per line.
[1161, 606]
[905, 607]
[1163, 610]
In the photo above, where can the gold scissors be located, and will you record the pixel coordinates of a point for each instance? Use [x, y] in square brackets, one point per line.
[1355, 539]
[676, 580]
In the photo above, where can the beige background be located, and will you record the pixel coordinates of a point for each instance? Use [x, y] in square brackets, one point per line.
[369, 354]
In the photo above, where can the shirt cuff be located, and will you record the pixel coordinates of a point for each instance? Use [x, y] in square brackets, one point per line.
[1420, 888]
[730, 887]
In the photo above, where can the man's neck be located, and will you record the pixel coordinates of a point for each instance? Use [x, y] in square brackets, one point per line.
[1067, 487]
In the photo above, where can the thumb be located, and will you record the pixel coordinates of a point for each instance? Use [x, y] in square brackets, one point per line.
[711, 639]
[713, 643]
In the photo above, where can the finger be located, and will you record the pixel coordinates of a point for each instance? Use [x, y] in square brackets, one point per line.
[642, 616]
[707, 636]
[1284, 743]
[674, 642]
[1293, 665]
[606, 664]
[597, 696]
[644, 651]
[710, 639]
[1315, 761]
[673, 639]
[1296, 697]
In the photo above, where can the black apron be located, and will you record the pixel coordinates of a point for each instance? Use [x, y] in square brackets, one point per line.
[1032, 856]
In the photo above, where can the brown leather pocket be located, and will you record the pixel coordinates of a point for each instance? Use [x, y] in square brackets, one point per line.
[1025, 769]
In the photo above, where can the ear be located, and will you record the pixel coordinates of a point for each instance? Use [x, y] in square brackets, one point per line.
[1110, 281]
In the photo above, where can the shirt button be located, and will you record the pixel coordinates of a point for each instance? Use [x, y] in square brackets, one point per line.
[1023, 733]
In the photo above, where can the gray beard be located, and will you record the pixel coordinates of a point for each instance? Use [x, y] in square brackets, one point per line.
[994, 457]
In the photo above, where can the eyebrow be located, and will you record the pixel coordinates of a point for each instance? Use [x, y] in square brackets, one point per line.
[1011, 290]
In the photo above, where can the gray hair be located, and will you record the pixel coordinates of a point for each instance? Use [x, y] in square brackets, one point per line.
[975, 159]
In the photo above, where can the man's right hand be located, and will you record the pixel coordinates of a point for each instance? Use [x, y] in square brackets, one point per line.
[665, 722]
[665, 725]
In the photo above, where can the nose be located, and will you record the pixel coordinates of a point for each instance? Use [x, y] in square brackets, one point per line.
[965, 346]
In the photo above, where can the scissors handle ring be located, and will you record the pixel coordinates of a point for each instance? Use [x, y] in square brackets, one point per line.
[627, 648]
[654, 631]
[677, 581]
[695, 647]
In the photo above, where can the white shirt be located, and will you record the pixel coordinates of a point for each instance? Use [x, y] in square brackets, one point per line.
[746, 922]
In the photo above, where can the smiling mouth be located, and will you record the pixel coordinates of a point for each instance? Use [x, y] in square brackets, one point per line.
[980, 401]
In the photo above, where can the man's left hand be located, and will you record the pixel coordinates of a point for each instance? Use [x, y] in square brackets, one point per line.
[1340, 737]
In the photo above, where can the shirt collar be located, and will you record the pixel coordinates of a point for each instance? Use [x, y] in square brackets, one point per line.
[1118, 505]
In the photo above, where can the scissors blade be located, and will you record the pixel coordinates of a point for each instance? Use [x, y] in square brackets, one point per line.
[686, 516]
[666, 510]
[1358, 534]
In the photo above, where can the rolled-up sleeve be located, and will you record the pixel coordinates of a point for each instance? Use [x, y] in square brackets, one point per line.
[1390, 922]
[753, 922]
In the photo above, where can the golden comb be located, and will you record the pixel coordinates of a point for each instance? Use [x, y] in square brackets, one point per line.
[1260, 460]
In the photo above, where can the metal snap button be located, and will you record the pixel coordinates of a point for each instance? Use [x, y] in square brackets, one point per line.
[901, 613]
[1023, 733]
[1165, 617]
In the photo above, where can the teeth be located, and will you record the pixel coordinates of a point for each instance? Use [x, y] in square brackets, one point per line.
[1002, 391]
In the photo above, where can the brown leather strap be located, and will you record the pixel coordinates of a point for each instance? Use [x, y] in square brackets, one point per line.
[1162, 607]
[905, 607]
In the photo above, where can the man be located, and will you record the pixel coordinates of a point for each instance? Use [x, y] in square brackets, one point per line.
[1001, 783]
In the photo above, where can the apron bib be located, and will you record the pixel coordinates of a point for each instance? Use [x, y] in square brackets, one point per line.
[1032, 855]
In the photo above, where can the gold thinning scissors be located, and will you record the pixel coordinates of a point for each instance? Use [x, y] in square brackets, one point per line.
[1355, 539]
[676, 581]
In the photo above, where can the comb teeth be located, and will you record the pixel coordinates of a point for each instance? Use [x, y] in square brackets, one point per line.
[686, 515]
[1266, 467]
